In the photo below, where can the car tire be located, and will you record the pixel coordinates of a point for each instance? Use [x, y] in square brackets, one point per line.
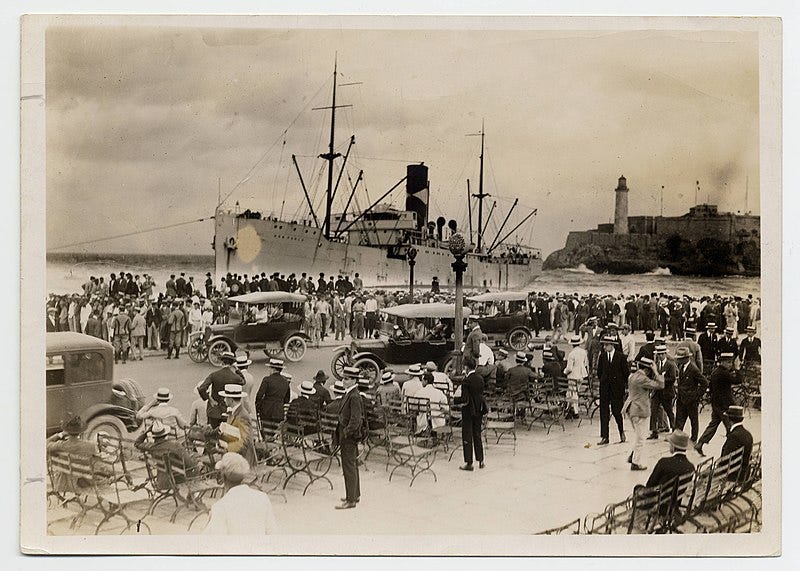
[216, 349]
[518, 339]
[104, 424]
[294, 348]
[370, 367]
[338, 363]
[449, 366]
[198, 351]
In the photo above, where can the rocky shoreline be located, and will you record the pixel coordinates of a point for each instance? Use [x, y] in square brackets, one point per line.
[707, 257]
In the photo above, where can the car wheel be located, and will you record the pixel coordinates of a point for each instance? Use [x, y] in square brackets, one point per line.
[198, 351]
[105, 424]
[272, 351]
[216, 349]
[294, 348]
[369, 368]
[518, 339]
[338, 363]
[449, 366]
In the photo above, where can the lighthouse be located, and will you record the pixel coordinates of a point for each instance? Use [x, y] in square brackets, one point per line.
[621, 207]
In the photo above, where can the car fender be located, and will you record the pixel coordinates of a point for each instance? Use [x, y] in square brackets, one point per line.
[126, 415]
[368, 355]
[228, 340]
[292, 334]
[525, 328]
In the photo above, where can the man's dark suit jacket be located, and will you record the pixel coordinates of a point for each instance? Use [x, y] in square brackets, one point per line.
[691, 383]
[668, 468]
[613, 374]
[471, 395]
[720, 382]
[351, 416]
[739, 437]
[273, 393]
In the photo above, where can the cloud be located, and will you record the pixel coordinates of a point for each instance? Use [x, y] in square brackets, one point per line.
[143, 122]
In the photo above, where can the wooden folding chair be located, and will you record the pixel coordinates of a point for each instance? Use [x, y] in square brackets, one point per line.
[411, 449]
[299, 454]
[501, 423]
[571, 528]
[271, 460]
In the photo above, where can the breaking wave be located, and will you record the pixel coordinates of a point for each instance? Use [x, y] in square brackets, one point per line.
[581, 269]
[659, 272]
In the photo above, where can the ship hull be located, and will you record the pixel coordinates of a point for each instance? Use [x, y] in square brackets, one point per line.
[252, 246]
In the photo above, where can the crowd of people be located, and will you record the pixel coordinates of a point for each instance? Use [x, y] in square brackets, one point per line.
[656, 390]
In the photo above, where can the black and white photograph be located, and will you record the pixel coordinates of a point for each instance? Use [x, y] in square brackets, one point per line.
[293, 279]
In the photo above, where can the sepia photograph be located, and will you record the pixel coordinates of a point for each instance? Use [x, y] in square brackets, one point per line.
[455, 279]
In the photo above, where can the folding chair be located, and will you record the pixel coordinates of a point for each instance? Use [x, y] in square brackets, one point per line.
[722, 480]
[111, 500]
[269, 451]
[71, 476]
[571, 528]
[121, 452]
[298, 452]
[411, 450]
[501, 422]
[548, 408]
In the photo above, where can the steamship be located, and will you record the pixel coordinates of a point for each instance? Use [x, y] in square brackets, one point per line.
[376, 242]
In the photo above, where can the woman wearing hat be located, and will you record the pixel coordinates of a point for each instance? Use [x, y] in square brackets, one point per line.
[576, 370]
[637, 405]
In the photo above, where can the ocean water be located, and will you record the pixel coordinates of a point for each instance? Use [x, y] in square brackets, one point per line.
[66, 273]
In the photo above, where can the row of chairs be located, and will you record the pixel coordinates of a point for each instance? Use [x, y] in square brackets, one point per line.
[719, 496]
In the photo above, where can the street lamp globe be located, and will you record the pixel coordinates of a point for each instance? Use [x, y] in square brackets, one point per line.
[457, 244]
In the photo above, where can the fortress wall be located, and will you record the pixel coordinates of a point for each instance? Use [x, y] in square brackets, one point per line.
[721, 228]
[575, 239]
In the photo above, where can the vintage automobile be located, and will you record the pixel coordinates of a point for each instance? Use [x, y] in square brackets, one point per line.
[511, 325]
[411, 333]
[78, 378]
[281, 332]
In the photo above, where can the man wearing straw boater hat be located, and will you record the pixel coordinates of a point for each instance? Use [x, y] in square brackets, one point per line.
[518, 377]
[273, 393]
[227, 374]
[661, 400]
[349, 432]
[708, 346]
[728, 344]
[243, 510]
[335, 405]
[720, 384]
[414, 382]
[243, 363]
[694, 348]
[612, 371]
[674, 465]
[637, 405]
[159, 409]
[738, 437]
[388, 389]
[238, 418]
[691, 386]
[576, 370]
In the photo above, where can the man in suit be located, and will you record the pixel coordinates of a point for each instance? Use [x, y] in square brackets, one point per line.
[674, 465]
[273, 393]
[750, 348]
[728, 344]
[612, 371]
[216, 381]
[721, 386]
[690, 389]
[662, 399]
[738, 437]
[470, 395]
[649, 347]
[349, 431]
[695, 349]
[472, 346]
[52, 320]
[708, 346]
[239, 418]
[637, 405]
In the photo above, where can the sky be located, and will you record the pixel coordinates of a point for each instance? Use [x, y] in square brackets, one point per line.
[148, 126]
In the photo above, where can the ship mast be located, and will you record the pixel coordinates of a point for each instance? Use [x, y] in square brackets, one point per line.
[481, 195]
[330, 156]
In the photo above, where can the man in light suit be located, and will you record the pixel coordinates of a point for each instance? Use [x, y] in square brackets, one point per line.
[472, 346]
[349, 432]
[637, 405]
[612, 371]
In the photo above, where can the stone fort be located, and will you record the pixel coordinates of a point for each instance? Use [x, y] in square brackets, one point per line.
[702, 221]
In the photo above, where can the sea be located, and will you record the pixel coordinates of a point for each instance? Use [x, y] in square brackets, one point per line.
[66, 273]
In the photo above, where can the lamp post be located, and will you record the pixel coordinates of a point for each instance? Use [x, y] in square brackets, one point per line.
[458, 248]
[411, 254]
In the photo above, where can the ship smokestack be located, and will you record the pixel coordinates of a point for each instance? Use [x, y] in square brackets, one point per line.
[417, 190]
[440, 222]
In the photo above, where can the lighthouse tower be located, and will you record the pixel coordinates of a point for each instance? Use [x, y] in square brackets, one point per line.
[621, 207]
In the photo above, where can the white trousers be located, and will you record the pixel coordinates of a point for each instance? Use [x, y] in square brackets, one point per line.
[641, 428]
